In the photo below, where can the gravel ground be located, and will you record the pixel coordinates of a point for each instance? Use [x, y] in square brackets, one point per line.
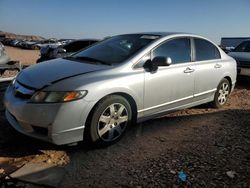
[211, 146]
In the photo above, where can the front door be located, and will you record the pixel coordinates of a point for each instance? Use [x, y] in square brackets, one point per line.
[170, 87]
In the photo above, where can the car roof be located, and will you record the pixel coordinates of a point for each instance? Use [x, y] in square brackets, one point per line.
[162, 34]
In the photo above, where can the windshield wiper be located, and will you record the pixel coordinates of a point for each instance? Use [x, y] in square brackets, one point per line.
[88, 59]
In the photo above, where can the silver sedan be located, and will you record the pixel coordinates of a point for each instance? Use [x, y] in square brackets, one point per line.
[97, 93]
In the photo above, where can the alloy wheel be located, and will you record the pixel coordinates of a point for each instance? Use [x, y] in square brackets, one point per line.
[223, 93]
[112, 122]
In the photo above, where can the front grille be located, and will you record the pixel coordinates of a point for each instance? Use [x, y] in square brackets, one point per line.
[243, 64]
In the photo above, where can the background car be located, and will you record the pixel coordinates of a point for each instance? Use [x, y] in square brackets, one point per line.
[97, 93]
[52, 52]
[65, 41]
[242, 56]
[32, 44]
[1, 47]
[8, 69]
[48, 42]
[14, 42]
[4, 58]
[228, 44]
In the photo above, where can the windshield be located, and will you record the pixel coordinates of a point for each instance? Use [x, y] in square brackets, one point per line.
[116, 49]
[243, 47]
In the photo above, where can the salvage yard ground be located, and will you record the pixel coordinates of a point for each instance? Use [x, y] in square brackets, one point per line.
[26, 57]
[211, 146]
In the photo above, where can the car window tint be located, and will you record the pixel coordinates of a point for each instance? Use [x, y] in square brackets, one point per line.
[178, 50]
[205, 50]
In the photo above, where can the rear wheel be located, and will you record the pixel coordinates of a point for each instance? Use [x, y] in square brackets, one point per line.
[221, 94]
[110, 119]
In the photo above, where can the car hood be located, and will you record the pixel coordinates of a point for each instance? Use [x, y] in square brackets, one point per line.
[46, 73]
[240, 56]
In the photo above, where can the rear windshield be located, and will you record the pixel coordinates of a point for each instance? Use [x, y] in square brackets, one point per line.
[116, 49]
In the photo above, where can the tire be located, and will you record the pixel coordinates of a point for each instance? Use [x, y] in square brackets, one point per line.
[109, 120]
[222, 94]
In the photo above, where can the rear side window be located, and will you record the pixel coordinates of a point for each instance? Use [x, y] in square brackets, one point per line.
[177, 49]
[205, 50]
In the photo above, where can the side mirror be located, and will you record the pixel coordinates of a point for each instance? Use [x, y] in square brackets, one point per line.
[153, 65]
[61, 50]
[162, 61]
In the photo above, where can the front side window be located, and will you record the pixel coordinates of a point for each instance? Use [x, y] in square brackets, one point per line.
[178, 50]
[205, 50]
[116, 49]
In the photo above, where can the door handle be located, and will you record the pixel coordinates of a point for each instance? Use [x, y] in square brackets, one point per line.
[217, 66]
[188, 70]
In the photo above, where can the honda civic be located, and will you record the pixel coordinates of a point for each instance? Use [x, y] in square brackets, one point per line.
[97, 93]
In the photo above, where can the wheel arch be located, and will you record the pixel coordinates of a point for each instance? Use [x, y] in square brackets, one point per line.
[230, 81]
[231, 78]
[128, 97]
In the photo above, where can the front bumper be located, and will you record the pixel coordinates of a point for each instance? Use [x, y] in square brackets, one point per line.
[59, 123]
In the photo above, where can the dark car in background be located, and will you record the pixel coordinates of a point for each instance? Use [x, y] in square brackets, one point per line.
[242, 56]
[29, 44]
[228, 44]
[52, 52]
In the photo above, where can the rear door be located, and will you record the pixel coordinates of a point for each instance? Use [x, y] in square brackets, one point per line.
[209, 67]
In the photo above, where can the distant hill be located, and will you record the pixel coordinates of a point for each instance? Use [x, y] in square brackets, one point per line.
[20, 37]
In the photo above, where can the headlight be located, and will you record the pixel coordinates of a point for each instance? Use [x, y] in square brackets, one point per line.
[57, 96]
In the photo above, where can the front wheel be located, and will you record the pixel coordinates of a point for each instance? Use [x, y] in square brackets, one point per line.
[222, 94]
[109, 120]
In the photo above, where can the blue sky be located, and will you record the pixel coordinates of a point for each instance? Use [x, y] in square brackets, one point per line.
[100, 18]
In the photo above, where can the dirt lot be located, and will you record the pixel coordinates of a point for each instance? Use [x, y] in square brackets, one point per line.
[211, 146]
[26, 57]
